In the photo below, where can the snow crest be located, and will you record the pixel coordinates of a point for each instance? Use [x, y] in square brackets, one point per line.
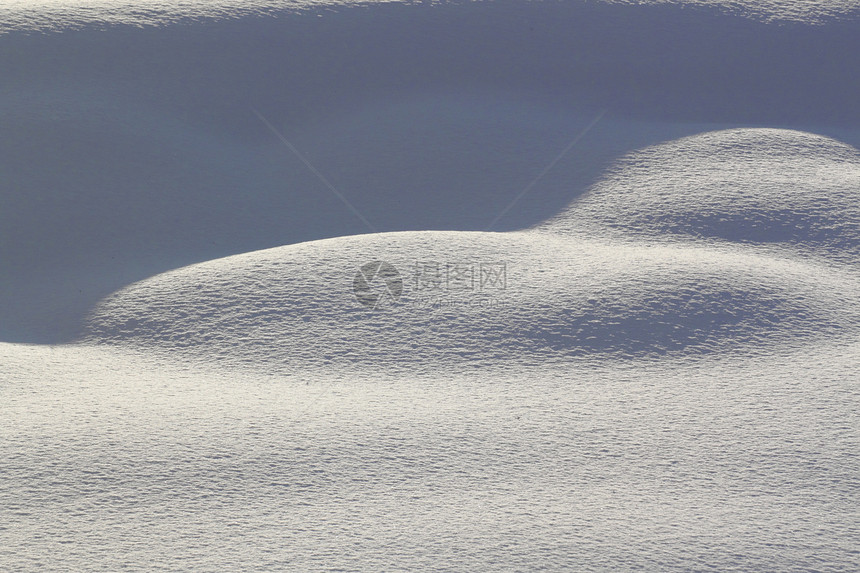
[776, 187]
[477, 300]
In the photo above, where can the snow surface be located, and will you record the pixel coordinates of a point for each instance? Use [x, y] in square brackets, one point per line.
[795, 190]
[617, 327]
[292, 307]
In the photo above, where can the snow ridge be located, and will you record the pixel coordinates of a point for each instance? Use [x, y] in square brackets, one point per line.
[564, 297]
[783, 189]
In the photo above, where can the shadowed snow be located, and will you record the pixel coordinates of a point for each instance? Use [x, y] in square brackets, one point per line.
[659, 374]
[780, 188]
[294, 307]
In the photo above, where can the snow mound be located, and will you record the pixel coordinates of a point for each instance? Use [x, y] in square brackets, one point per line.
[754, 186]
[473, 299]
[138, 137]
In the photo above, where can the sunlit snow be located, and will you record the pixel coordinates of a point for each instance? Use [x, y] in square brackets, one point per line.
[449, 286]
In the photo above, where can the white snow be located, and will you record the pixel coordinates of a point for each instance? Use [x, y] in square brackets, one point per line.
[293, 308]
[650, 362]
[764, 187]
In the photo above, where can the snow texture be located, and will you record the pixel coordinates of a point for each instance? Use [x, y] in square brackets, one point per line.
[295, 307]
[784, 188]
[473, 286]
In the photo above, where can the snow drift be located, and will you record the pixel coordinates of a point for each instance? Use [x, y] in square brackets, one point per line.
[134, 122]
[777, 188]
[604, 313]
[296, 307]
